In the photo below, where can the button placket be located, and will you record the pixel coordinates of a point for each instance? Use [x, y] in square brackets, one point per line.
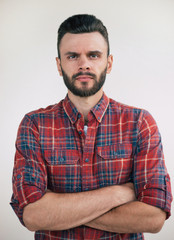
[88, 152]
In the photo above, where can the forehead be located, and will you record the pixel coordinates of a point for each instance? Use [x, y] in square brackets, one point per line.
[83, 42]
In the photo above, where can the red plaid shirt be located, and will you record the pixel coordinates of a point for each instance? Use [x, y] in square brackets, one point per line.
[122, 144]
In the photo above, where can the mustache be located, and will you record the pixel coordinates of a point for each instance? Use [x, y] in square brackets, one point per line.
[83, 73]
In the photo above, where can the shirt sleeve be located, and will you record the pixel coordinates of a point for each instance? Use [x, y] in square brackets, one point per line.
[29, 173]
[151, 180]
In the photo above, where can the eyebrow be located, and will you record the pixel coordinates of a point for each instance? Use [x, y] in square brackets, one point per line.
[90, 52]
[71, 53]
[95, 52]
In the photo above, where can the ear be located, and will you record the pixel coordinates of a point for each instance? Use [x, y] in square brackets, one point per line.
[59, 66]
[109, 65]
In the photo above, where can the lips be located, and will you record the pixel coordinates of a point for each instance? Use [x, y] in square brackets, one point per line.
[84, 78]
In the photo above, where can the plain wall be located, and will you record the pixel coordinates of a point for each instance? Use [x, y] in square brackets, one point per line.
[141, 35]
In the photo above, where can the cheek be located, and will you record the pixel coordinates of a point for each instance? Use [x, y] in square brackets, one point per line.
[102, 65]
[69, 68]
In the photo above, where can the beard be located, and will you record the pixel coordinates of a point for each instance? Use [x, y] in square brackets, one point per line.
[84, 91]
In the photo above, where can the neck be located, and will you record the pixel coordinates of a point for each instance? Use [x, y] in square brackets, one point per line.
[85, 104]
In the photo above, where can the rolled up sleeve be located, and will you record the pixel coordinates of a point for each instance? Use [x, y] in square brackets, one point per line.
[151, 180]
[29, 173]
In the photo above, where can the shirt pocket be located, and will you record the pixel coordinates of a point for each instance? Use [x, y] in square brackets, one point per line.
[63, 170]
[61, 157]
[114, 163]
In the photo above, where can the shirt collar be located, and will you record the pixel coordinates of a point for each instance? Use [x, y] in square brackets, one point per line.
[70, 109]
[98, 110]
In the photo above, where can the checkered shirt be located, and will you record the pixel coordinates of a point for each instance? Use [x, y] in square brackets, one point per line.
[122, 145]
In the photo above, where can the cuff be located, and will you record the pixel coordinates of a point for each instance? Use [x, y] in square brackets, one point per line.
[158, 195]
[29, 194]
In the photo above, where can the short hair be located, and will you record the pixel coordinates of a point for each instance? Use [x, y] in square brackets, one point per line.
[82, 23]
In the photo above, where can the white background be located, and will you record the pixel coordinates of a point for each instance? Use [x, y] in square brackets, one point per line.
[142, 41]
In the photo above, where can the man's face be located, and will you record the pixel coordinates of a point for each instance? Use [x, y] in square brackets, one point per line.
[84, 62]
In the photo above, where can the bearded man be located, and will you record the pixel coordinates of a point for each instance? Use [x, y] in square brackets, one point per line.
[89, 167]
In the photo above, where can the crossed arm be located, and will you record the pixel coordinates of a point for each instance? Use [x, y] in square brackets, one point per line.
[112, 208]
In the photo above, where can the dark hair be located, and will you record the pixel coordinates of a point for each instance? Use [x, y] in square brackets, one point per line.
[81, 23]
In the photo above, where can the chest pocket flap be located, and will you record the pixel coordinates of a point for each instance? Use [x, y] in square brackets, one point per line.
[62, 157]
[115, 151]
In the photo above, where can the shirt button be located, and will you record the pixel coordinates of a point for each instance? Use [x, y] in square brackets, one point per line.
[18, 176]
[87, 160]
[61, 159]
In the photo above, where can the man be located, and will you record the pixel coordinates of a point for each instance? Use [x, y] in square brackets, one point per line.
[89, 167]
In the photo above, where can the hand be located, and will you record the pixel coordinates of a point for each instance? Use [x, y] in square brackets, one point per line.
[129, 191]
[123, 194]
[129, 184]
[48, 190]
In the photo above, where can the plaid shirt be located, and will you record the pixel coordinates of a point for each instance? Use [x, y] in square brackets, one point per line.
[122, 145]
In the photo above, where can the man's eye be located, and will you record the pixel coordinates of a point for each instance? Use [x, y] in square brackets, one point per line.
[72, 57]
[94, 56]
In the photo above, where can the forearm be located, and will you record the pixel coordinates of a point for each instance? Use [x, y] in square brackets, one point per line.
[56, 211]
[132, 217]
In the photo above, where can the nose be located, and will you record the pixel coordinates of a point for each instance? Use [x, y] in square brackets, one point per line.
[84, 63]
